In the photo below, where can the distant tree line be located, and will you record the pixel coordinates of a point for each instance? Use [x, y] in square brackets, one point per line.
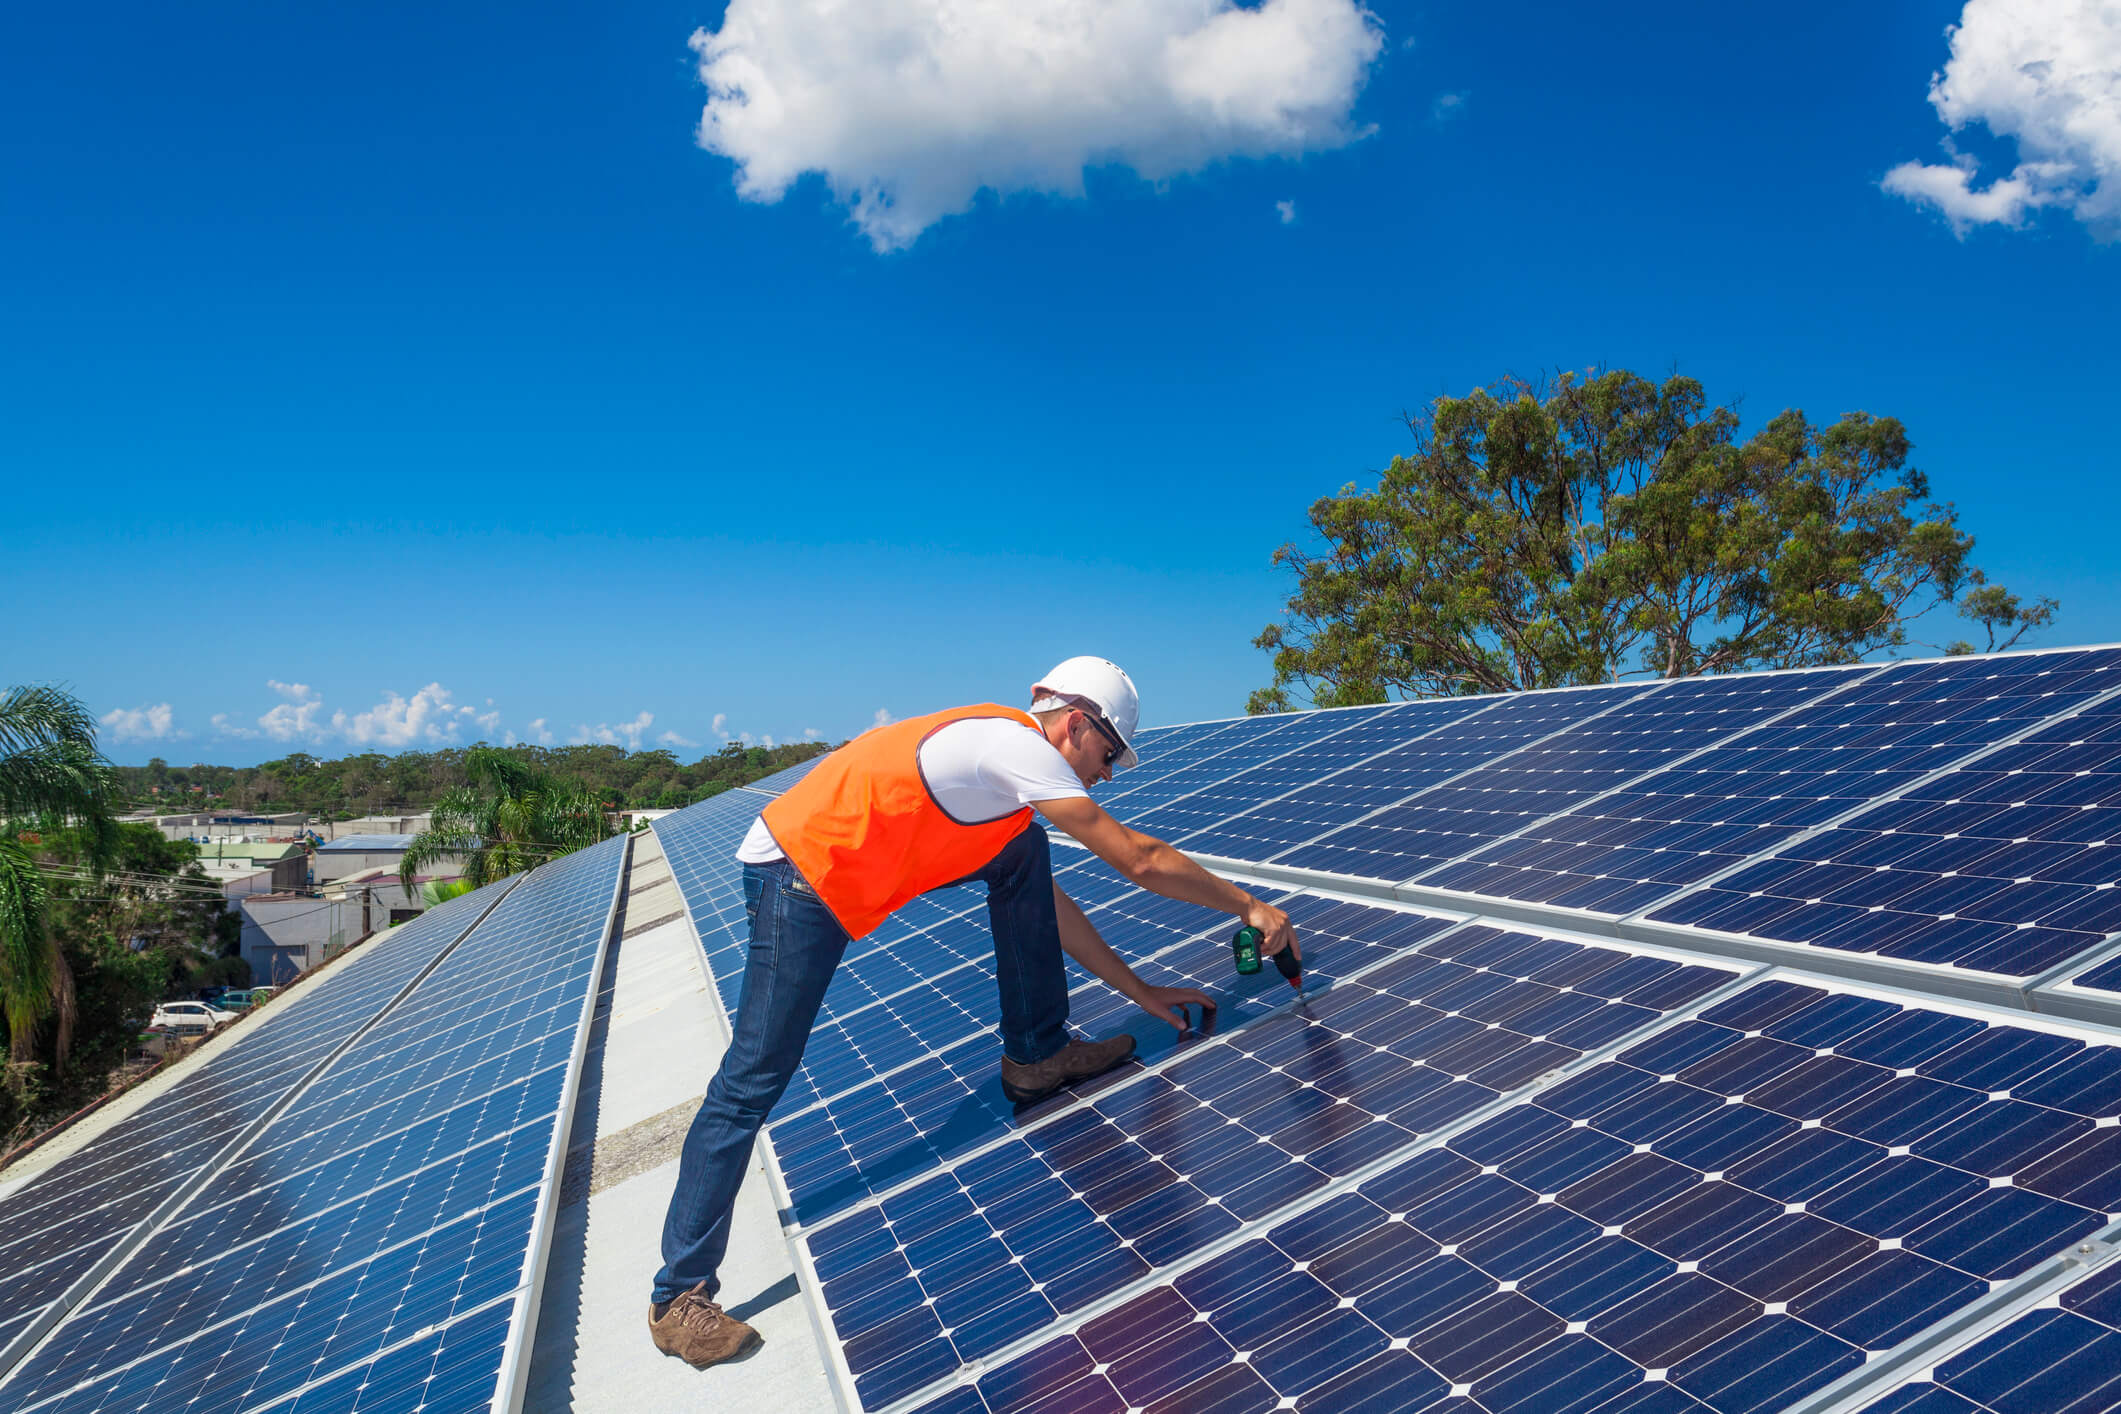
[372, 783]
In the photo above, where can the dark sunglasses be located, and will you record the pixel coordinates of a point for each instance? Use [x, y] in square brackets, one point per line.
[1119, 748]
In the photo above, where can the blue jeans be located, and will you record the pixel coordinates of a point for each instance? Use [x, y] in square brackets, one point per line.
[796, 944]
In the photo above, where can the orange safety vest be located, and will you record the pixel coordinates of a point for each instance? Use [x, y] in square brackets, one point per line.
[866, 832]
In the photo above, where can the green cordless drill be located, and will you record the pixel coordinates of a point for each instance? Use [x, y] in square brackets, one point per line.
[1245, 949]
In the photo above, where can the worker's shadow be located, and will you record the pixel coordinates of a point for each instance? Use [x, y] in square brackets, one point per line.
[766, 1300]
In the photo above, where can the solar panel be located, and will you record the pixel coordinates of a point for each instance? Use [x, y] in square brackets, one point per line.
[396, 1212]
[1328, 824]
[1238, 748]
[1994, 865]
[1729, 1215]
[1357, 734]
[59, 1231]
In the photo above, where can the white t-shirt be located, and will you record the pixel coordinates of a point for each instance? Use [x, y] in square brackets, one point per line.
[979, 770]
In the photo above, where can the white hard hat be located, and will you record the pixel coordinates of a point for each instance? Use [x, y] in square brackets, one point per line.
[1106, 686]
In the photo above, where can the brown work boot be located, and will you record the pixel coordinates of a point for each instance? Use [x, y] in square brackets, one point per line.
[1078, 1060]
[697, 1331]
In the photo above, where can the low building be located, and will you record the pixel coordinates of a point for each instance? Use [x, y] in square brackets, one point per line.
[357, 854]
[376, 900]
[377, 825]
[205, 825]
[244, 867]
[286, 934]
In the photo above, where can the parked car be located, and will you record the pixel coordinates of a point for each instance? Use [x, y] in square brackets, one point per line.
[232, 999]
[190, 1016]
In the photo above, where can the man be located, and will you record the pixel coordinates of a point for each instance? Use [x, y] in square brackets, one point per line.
[900, 810]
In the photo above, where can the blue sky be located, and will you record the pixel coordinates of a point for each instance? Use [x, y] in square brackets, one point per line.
[423, 345]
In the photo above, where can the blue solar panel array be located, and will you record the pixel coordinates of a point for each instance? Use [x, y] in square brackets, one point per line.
[1998, 865]
[1308, 777]
[60, 1228]
[1730, 1215]
[1488, 1166]
[386, 1228]
[1345, 807]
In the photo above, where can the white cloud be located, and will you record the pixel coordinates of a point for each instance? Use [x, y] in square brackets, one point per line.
[300, 716]
[811, 734]
[539, 730]
[1287, 209]
[1447, 106]
[225, 725]
[721, 725]
[628, 733]
[883, 718]
[140, 723]
[427, 717]
[673, 739]
[909, 108]
[2046, 74]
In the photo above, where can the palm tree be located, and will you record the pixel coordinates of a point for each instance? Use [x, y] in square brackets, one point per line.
[50, 773]
[509, 818]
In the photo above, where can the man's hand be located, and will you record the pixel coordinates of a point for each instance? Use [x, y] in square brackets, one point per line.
[1274, 928]
[1168, 1004]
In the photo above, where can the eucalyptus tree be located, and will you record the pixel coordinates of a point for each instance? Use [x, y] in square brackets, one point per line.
[1582, 529]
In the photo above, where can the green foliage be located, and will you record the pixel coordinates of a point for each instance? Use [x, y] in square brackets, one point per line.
[116, 989]
[1582, 529]
[372, 783]
[142, 925]
[436, 891]
[50, 774]
[510, 817]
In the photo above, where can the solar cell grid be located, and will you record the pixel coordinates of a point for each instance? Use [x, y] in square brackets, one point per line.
[1728, 1216]
[306, 1257]
[1583, 761]
[1255, 743]
[1999, 865]
[452, 1371]
[57, 1228]
[952, 1268]
[1360, 734]
[1727, 797]
[1316, 826]
[2063, 1358]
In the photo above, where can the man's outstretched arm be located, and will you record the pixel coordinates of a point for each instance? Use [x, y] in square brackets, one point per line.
[1149, 863]
[1080, 939]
